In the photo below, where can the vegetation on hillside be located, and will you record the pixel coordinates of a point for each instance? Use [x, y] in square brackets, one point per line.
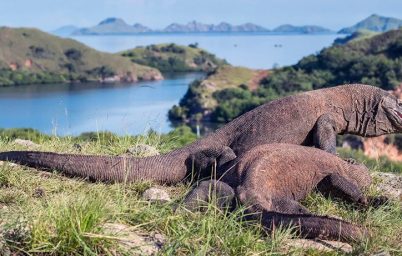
[174, 58]
[204, 97]
[55, 215]
[376, 61]
[30, 56]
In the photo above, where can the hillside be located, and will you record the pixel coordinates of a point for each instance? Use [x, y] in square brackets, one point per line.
[31, 56]
[375, 60]
[374, 23]
[113, 26]
[174, 58]
[287, 28]
[201, 99]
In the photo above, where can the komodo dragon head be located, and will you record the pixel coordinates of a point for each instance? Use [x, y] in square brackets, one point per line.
[389, 116]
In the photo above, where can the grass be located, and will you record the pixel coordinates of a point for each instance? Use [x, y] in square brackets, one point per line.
[48, 214]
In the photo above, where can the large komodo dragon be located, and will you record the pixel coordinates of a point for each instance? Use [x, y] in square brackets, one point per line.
[311, 118]
[270, 179]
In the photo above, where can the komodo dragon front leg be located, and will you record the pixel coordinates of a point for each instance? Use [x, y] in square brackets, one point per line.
[341, 187]
[324, 136]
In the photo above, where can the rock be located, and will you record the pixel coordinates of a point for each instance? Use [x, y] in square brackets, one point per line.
[389, 184]
[143, 150]
[8, 164]
[321, 245]
[133, 242]
[156, 195]
[39, 192]
[25, 143]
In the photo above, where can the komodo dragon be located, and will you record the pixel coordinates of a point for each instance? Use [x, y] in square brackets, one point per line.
[270, 179]
[311, 118]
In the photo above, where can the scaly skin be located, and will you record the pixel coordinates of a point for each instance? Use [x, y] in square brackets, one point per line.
[270, 180]
[310, 119]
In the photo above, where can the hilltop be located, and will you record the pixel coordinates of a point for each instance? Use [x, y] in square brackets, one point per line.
[112, 26]
[374, 23]
[174, 58]
[31, 56]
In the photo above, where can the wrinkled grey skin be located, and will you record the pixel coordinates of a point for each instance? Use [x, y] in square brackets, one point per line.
[310, 119]
[271, 179]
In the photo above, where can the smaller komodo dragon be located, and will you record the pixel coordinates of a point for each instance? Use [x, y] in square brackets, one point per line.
[270, 180]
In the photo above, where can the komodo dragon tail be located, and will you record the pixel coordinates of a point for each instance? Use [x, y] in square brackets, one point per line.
[169, 168]
[313, 226]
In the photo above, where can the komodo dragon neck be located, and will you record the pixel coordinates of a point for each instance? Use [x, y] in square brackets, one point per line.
[357, 109]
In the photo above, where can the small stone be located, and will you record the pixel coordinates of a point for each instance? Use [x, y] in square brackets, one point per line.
[156, 195]
[129, 240]
[143, 150]
[389, 184]
[8, 164]
[39, 192]
[25, 143]
[320, 245]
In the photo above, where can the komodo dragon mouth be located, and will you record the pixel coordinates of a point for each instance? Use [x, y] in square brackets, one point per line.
[398, 113]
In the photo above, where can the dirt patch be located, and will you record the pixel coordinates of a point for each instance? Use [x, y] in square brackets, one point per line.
[255, 81]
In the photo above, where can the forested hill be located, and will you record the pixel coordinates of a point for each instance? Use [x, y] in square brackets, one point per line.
[174, 58]
[376, 61]
[30, 56]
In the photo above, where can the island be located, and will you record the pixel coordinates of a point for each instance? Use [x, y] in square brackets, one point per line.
[31, 56]
[174, 58]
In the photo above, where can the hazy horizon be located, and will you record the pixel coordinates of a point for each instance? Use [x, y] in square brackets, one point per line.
[157, 14]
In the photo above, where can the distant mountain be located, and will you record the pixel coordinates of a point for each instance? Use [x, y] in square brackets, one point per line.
[65, 30]
[113, 26]
[197, 27]
[117, 26]
[287, 28]
[374, 23]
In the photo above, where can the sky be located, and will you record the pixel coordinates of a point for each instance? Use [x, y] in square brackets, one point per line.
[334, 14]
